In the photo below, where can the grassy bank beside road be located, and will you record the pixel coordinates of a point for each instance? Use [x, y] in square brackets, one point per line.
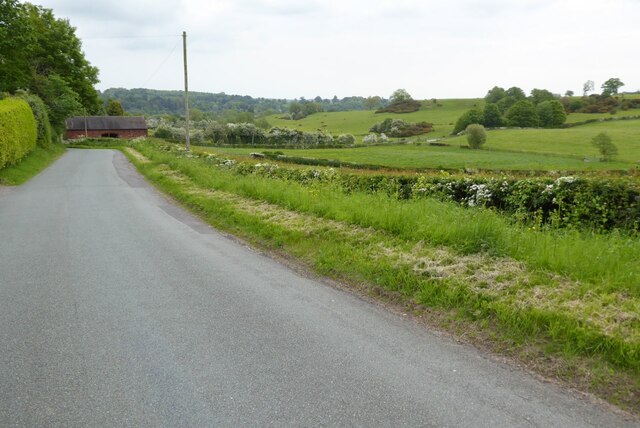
[547, 298]
[31, 165]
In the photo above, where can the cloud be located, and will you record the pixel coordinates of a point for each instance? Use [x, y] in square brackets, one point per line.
[292, 48]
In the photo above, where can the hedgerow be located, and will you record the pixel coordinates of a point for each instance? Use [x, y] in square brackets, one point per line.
[600, 204]
[42, 117]
[18, 131]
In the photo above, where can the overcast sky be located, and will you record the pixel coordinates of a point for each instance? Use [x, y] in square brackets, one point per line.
[294, 48]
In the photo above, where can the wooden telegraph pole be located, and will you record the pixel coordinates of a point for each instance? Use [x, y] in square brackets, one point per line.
[186, 89]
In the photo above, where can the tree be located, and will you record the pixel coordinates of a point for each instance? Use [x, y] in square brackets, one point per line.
[495, 94]
[468, 118]
[522, 114]
[587, 87]
[512, 96]
[114, 108]
[41, 53]
[540, 95]
[491, 116]
[399, 95]
[476, 136]
[551, 114]
[372, 103]
[605, 146]
[569, 93]
[516, 93]
[611, 86]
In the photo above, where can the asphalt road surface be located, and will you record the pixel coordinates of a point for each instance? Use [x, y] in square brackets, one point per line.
[120, 309]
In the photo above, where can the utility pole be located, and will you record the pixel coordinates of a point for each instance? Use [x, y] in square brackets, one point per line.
[86, 134]
[186, 89]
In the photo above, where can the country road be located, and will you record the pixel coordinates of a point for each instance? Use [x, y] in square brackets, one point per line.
[119, 309]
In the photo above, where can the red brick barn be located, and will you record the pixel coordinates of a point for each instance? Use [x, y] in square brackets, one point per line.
[106, 126]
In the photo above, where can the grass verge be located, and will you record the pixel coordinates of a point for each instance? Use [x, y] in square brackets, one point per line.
[586, 333]
[33, 164]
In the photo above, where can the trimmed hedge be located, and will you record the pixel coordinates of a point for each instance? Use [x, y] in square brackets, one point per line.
[42, 118]
[18, 131]
[600, 204]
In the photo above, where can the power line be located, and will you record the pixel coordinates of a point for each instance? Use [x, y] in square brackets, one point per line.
[132, 37]
[162, 63]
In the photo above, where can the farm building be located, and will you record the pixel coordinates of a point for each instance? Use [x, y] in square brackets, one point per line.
[106, 126]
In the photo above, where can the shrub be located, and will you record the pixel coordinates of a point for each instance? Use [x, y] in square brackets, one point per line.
[346, 139]
[42, 117]
[399, 128]
[469, 117]
[605, 146]
[476, 136]
[18, 131]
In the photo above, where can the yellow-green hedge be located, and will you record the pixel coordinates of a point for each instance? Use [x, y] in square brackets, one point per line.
[18, 131]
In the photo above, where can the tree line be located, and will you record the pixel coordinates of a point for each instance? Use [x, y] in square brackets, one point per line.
[41, 58]
[543, 109]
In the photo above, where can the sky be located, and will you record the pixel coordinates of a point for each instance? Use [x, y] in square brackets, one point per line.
[305, 48]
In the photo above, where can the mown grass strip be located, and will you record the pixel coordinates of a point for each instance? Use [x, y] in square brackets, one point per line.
[526, 306]
[31, 165]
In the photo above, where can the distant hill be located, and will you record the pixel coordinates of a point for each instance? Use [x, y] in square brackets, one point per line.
[153, 101]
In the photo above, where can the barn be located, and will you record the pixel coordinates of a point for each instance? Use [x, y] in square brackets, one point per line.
[105, 126]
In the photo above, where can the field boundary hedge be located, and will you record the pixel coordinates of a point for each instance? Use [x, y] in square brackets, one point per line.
[18, 131]
[598, 204]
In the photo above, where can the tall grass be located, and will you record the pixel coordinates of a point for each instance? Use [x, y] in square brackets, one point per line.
[606, 262]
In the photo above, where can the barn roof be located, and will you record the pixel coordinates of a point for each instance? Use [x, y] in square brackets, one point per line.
[104, 123]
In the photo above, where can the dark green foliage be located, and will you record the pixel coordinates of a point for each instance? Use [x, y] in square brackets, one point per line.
[18, 131]
[114, 108]
[491, 116]
[399, 128]
[476, 136]
[41, 53]
[522, 114]
[495, 94]
[42, 117]
[540, 95]
[605, 146]
[62, 102]
[469, 117]
[551, 114]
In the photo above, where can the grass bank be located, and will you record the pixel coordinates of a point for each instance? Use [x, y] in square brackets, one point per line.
[565, 297]
[33, 164]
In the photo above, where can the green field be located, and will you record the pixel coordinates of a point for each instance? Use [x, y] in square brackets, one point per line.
[443, 115]
[509, 149]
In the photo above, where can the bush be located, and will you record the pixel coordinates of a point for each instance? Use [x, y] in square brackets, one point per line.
[399, 128]
[605, 146]
[346, 140]
[42, 117]
[469, 117]
[18, 131]
[476, 136]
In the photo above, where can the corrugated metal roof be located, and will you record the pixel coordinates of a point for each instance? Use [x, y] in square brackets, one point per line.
[105, 123]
